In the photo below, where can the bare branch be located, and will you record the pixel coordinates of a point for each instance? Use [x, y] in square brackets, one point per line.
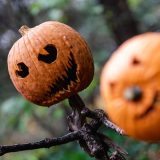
[85, 132]
[45, 143]
[99, 114]
[110, 143]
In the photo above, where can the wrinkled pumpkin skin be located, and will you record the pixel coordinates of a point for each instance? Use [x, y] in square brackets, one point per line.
[136, 63]
[49, 63]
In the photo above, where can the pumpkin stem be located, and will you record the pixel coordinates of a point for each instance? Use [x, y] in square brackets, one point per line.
[23, 30]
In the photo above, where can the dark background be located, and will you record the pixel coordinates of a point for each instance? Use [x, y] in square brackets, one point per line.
[105, 24]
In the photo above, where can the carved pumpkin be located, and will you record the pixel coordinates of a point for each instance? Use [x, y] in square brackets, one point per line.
[49, 63]
[130, 86]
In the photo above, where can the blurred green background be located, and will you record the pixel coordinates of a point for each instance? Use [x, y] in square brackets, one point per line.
[105, 24]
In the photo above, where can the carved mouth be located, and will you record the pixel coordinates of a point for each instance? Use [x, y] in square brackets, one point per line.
[151, 108]
[64, 82]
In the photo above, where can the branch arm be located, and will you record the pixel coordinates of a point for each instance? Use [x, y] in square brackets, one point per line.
[45, 143]
[99, 114]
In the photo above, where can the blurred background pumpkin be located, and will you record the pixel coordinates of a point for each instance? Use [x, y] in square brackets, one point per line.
[130, 86]
[105, 24]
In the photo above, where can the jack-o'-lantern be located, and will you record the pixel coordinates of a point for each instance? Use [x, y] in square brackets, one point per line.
[130, 87]
[49, 63]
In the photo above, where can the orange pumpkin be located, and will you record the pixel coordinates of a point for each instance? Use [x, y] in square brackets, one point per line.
[130, 86]
[49, 63]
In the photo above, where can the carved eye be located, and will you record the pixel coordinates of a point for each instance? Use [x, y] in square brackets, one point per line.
[135, 61]
[51, 56]
[112, 85]
[23, 70]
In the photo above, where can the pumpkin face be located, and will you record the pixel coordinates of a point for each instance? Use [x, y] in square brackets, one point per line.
[130, 86]
[50, 63]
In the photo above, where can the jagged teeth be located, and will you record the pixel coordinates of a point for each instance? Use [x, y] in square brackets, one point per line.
[67, 80]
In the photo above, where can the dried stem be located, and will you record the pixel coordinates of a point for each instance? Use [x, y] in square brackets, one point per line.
[23, 30]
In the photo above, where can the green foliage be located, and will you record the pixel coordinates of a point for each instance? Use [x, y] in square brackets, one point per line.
[137, 150]
[146, 13]
[54, 9]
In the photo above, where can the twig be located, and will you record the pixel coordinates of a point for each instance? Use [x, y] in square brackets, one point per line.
[99, 114]
[110, 143]
[45, 143]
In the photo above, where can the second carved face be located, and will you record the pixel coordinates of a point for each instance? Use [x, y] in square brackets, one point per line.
[130, 85]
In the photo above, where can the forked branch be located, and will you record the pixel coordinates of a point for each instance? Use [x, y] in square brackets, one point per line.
[94, 143]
